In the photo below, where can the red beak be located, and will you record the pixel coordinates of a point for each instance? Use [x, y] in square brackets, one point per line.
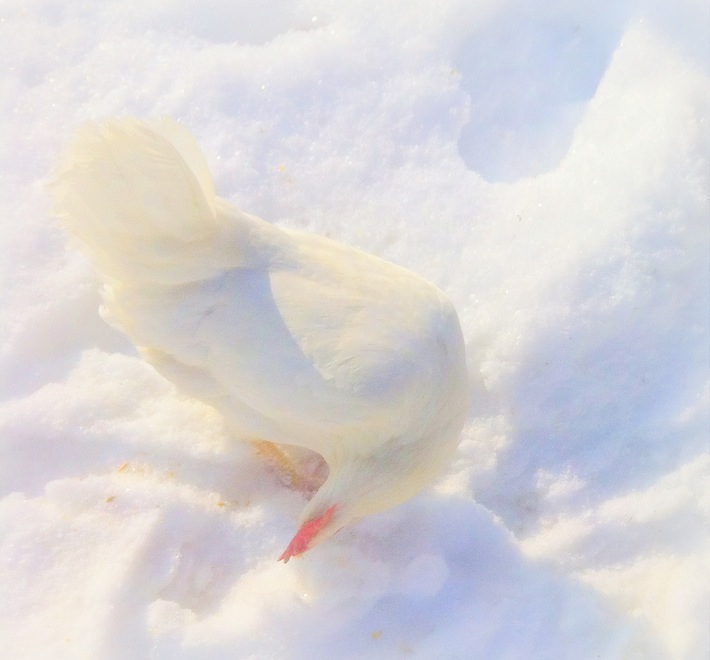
[301, 542]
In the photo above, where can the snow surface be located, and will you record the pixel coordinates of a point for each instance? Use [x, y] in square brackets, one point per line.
[546, 164]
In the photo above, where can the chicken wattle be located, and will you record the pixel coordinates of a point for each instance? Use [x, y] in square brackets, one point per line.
[295, 338]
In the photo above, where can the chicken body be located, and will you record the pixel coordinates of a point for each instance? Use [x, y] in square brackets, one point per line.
[293, 337]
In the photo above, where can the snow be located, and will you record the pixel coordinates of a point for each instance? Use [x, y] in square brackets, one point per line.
[546, 164]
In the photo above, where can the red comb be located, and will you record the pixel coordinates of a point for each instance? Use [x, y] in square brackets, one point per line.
[300, 543]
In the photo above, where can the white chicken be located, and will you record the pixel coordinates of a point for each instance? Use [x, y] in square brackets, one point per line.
[296, 338]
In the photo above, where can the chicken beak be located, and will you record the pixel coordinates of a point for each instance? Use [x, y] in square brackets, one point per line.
[305, 535]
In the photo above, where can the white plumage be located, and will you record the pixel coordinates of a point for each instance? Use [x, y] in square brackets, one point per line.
[295, 338]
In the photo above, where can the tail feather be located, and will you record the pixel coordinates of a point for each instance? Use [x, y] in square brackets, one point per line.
[139, 196]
